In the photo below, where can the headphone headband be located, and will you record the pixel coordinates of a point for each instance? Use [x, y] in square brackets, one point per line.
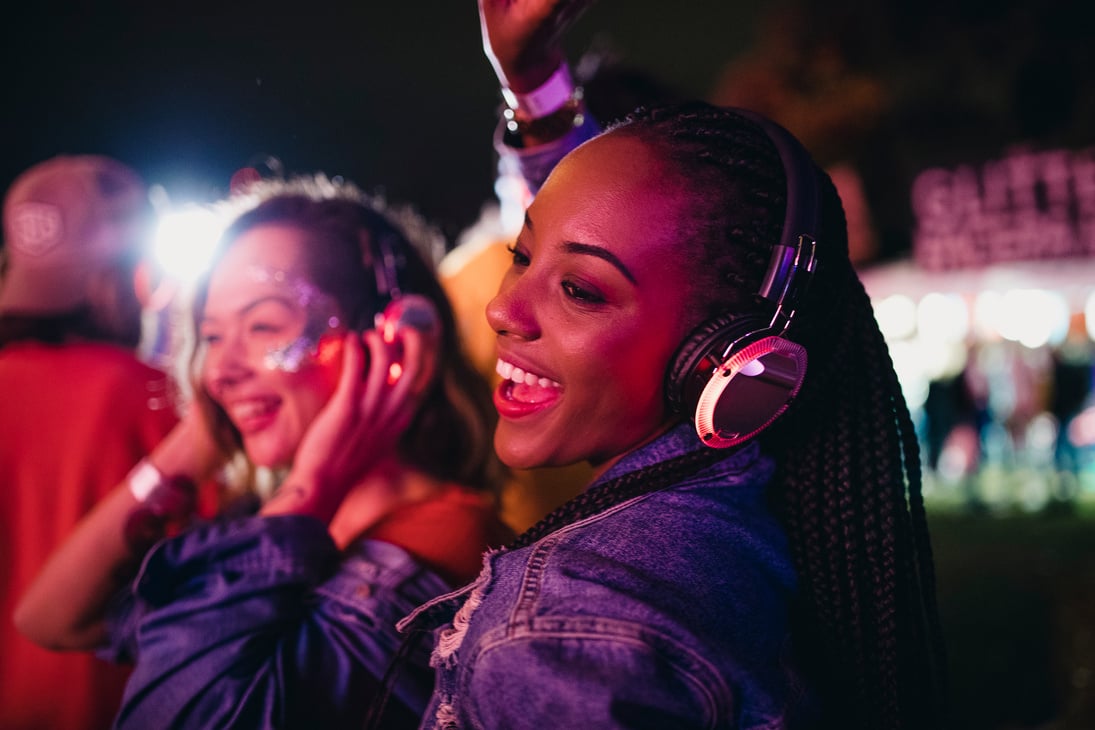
[395, 306]
[793, 258]
[737, 373]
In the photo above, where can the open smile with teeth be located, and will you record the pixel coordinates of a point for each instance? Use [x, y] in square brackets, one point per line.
[510, 372]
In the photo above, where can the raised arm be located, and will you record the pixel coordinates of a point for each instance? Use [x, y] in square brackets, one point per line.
[523, 40]
[65, 606]
[545, 116]
[273, 620]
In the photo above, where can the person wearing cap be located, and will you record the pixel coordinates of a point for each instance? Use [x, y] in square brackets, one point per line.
[79, 405]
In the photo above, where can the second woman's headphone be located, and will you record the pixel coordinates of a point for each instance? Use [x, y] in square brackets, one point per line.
[736, 373]
[395, 306]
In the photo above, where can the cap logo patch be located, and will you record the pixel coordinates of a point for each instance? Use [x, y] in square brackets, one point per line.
[36, 228]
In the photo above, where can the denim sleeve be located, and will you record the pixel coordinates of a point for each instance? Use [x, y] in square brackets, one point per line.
[534, 164]
[606, 675]
[261, 622]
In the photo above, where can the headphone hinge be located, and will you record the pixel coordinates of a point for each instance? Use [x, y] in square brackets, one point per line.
[794, 268]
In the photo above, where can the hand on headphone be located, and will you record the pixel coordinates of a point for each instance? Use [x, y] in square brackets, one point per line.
[385, 371]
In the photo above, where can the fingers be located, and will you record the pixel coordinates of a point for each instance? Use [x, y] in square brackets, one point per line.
[389, 391]
[359, 427]
[353, 362]
[421, 360]
[374, 402]
[413, 346]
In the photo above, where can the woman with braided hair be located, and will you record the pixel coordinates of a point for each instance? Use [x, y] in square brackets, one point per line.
[681, 313]
[737, 561]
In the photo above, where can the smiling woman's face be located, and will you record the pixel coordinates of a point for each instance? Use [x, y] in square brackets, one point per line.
[591, 311]
[264, 360]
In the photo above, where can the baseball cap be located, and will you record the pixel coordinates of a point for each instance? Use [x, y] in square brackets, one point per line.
[65, 219]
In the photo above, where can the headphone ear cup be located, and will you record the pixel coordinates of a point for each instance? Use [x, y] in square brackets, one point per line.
[732, 397]
[411, 310]
[700, 354]
[749, 390]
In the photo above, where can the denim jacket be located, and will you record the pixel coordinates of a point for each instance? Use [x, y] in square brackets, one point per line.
[261, 622]
[669, 610]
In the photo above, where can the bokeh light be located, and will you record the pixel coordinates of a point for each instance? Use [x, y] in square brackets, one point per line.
[185, 239]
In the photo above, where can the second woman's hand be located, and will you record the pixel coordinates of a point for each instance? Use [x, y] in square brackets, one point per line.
[360, 426]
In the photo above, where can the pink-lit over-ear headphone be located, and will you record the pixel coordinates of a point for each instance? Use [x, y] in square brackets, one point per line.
[397, 308]
[736, 373]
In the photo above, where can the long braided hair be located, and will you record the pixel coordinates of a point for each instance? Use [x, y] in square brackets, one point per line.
[848, 484]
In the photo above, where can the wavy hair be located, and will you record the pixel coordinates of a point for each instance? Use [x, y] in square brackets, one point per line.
[450, 437]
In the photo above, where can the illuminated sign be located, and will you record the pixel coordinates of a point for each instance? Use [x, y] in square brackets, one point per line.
[1028, 205]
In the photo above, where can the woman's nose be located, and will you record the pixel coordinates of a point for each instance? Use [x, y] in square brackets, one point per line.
[510, 312]
[226, 364]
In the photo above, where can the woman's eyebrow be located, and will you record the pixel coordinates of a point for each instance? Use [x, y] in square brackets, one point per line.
[252, 305]
[588, 250]
[603, 254]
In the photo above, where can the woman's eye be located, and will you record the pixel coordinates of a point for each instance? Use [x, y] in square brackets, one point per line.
[264, 328]
[519, 257]
[209, 338]
[579, 294]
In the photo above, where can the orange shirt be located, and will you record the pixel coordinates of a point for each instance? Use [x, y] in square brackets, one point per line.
[430, 529]
[73, 422]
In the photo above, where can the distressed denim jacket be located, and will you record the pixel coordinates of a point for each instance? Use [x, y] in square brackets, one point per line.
[261, 622]
[669, 610]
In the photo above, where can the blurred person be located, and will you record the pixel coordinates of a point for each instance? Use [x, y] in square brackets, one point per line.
[1069, 396]
[79, 405]
[682, 313]
[326, 357]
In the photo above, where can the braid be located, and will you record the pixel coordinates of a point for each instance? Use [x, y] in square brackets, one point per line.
[848, 482]
[714, 162]
[868, 597]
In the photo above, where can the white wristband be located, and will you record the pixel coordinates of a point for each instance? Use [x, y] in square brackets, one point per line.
[545, 99]
[143, 480]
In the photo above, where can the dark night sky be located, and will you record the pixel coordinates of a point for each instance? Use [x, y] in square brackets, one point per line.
[394, 95]
[398, 96]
